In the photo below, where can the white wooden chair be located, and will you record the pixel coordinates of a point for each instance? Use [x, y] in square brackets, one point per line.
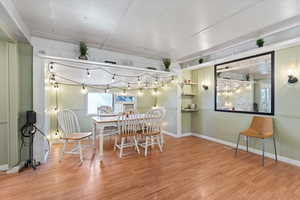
[128, 131]
[151, 131]
[68, 122]
[103, 111]
[160, 112]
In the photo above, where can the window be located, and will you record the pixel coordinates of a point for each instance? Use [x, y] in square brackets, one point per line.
[96, 100]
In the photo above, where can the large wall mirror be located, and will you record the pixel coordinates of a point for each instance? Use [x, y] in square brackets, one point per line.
[246, 85]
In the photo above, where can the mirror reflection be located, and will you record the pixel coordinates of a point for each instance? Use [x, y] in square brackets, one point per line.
[245, 85]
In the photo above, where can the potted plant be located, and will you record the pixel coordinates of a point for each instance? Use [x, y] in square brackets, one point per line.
[260, 42]
[83, 51]
[200, 60]
[167, 63]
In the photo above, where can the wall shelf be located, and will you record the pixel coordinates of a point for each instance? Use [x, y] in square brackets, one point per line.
[189, 110]
[188, 95]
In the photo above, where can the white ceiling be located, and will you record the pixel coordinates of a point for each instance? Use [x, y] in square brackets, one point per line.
[153, 28]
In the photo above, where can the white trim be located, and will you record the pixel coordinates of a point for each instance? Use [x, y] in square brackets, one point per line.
[4, 167]
[273, 47]
[170, 134]
[102, 64]
[242, 147]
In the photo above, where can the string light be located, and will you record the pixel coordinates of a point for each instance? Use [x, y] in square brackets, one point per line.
[113, 78]
[88, 73]
[107, 89]
[55, 86]
[51, 67]
[128, 86]
[155, 92]
[156, 81]
[52, 79]
[140, 92]
[83, 89]
[139, 81]
[124, 92]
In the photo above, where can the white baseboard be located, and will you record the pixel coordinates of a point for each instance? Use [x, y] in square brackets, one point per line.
[4, 167]
[256, 151]
[170, 134]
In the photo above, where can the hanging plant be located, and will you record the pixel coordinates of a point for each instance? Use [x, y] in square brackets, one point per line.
[83, 51]
[260, 42]
[167, 63]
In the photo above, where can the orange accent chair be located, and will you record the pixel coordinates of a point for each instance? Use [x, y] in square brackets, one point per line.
[261, 128]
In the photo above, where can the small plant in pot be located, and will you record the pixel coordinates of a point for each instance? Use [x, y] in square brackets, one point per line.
[83, 51]
[167, 63]
[260, 42]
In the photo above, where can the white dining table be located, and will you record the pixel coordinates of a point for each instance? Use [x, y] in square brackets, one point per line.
[99, 123]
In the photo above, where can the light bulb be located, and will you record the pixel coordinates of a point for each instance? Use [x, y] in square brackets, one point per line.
[88, 73]
[139, 81]
[128, 86]
[124, 92]
[107, 89]
[140, 92]
[291, 72]
[113, 78]
[51, 67]
[52, 79]
[55, 86]
[84, 89]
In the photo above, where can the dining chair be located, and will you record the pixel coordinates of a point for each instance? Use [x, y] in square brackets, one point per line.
[68, 122]
[160, 112]
[261, 128]
[104, 111]
[128, 126]
[151, 131]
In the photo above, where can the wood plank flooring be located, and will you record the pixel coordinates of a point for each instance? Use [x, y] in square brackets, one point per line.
[190, 168]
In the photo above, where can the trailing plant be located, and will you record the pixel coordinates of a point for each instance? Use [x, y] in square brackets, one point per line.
[200, 60]
[83, 51]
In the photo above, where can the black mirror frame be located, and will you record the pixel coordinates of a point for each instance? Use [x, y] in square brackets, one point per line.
[272, 53]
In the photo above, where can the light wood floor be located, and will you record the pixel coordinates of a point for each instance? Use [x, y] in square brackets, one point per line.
[190, 168]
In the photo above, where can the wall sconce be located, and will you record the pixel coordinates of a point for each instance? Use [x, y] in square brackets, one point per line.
[204, 85]
[292, 78]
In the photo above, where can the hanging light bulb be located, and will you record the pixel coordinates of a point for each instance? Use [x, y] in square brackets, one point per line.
[51, 67]
[124, 92]
[113, 79]
[52, 79]
[139, 81]
[156, 81]
[107, 89]
[140, 92]
[57, 132]
[83, 89]
[55, 86]
[55, 110]
[88, 73]
[173, 80]
[128, 86]
[155, 92]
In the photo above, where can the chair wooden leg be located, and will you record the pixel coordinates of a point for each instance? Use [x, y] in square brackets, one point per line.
[116, 142]
[136, 144]
[121, 148]
[263, 152]
[247, 141]
[158, 142]
[80, 151]
[63, 150]
[146, 146]
[162, 142]
[275, 147]
[237, 144]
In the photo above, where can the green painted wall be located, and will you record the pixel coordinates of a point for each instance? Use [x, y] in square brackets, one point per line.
[16, 97]
[226, 126]
[168, 99]
[70, 97]
[25, 56]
